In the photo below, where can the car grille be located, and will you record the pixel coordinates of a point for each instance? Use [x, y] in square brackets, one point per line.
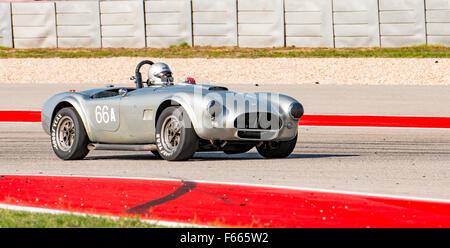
[258, 120]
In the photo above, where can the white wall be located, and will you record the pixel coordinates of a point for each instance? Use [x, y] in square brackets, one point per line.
[168, 22]
[214, 22]
[260, 23]
[34, 24]
[308, 23]
[356, 23]
[5, 25]
[402, 23]
[78, 24]
[122, 24]
[438, 22]
[244, 23]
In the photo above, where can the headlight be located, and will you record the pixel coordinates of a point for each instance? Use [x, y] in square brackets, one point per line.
[214, 109]
[295, 110]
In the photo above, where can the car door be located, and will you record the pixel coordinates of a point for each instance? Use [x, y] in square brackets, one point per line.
[104, 117]
[137, 110]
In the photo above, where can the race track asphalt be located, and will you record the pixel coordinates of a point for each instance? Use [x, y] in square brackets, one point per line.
[399, 161]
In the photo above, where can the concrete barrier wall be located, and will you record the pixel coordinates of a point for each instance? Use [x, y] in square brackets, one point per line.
[356, 23]
[438, 22]
[5, 25]
[402, 23]
[260, 23]
[122, 24]
[244, 23]
[308, 23]
[168, 22]
[78, 24]
[214, 22]
[34, 24]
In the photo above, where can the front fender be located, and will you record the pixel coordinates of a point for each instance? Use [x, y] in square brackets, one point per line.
[59, 101]
[186, 101]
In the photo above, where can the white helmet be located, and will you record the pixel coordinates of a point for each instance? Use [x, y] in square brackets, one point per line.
[160, 74]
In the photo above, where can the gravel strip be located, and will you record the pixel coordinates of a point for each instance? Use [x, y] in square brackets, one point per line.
[348, 71]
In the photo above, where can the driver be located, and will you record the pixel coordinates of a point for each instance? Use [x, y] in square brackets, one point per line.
[160, 74]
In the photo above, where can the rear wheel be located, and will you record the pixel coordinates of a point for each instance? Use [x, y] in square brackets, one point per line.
[175, 137]
[68, 136]
[277, 149]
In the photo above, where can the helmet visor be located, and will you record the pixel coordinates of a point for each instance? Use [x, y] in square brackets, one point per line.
[164, 74]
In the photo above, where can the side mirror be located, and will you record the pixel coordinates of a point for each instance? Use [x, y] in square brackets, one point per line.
[123, 91]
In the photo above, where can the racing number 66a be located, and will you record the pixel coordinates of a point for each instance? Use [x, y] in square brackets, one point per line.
[104, 114]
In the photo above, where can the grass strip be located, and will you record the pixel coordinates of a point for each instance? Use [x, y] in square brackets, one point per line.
[183, 51]
[23, 219]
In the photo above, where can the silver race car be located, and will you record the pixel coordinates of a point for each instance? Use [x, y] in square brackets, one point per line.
[172, 120]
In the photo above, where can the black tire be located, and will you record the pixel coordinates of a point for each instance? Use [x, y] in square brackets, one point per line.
[277, 149]
[68, 136]
[175, 137]
[156, 153]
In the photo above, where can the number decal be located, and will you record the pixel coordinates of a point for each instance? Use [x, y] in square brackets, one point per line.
[104, 114]
[98, 115]
[113, 116]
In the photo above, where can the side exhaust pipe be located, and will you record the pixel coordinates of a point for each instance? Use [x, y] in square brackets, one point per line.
[122, 147]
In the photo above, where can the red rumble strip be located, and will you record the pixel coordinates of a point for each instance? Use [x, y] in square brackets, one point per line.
[20, 116]
[220, 204]
[306, 120]
[375, 121]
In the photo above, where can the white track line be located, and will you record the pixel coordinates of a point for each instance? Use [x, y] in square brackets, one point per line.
[53, 211]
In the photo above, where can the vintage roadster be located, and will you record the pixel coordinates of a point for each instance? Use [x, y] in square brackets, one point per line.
[172, 120]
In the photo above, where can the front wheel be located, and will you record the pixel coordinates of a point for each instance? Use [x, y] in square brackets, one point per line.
[277, 149]
[156, 154]
[175, 137]
[68, 136]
